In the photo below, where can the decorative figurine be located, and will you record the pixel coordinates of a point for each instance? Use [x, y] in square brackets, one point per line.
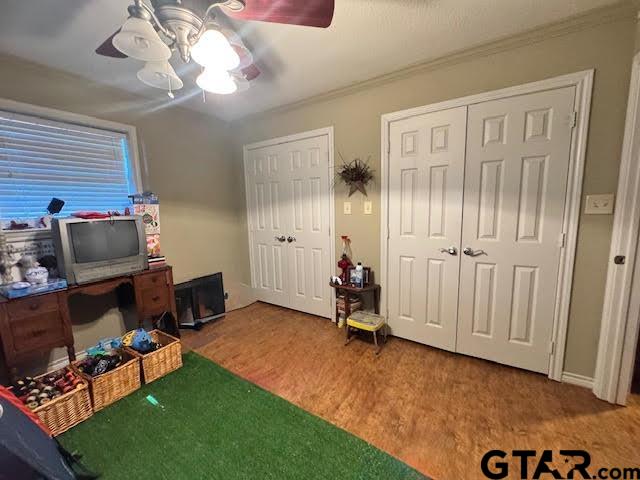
[31, 270]
[345, 260]
[6, 259]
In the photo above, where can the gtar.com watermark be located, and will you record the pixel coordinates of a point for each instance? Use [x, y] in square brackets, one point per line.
[534, 465]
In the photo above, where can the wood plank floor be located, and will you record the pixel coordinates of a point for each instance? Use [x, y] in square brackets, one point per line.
[438, 412]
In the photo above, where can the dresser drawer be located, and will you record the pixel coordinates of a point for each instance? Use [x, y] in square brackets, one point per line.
[152, 280]
[45, 329]
[155, 300]
[28, 307]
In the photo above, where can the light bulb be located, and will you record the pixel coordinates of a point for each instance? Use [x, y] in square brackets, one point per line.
[213, 50]
[216, 81]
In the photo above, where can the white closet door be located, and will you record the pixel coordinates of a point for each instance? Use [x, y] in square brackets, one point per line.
[288, 203]
[514, 195]
[308, 252]
[267, 185]
[426, 169]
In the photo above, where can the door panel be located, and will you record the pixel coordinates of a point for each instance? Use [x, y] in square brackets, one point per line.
[308, 254]
[514, 194]
[426, 172]
[267, 190]
[288, 187]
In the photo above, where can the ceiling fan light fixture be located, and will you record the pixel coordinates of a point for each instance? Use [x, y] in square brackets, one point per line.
[214, 50]
[160, 75]
[216, 81]
[138, 39]
[241, 82]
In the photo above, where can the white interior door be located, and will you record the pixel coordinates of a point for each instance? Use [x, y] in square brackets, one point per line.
[308, 228]
[514, 195]
[266, 192]
[426, 171]
[289, 206]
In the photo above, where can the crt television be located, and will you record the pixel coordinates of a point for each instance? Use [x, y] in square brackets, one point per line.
[91, 250]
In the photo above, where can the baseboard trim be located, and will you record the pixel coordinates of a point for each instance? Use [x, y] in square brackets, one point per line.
[64, 361]
[577, 379]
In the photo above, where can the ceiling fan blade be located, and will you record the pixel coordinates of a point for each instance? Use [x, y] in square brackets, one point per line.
[251, 72]
[108, 50]
[311, 13]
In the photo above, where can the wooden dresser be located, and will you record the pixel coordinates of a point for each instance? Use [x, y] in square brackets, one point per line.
[38, 323]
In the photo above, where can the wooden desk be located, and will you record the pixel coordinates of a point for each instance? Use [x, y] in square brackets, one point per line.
[41, 322]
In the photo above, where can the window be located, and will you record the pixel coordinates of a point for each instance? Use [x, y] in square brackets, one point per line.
[89, 168]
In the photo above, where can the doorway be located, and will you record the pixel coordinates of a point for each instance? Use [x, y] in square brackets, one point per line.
[480, 198]
[290, 220]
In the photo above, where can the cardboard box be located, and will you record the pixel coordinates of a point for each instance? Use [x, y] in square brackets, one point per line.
[150, 217]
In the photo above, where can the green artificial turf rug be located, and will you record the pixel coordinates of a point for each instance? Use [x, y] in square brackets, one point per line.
[211, 424]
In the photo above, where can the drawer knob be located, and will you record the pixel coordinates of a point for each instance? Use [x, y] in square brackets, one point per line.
[156, 298]
[34, 306]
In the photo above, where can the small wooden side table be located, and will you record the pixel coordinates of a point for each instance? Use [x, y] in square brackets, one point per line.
[349, 289]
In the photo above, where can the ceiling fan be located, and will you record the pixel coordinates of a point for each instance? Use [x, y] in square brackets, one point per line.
[196, 29]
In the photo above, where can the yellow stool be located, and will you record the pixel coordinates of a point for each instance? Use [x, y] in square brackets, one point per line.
[368, 322]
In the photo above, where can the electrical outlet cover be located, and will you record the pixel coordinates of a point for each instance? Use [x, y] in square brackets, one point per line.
[599, 204]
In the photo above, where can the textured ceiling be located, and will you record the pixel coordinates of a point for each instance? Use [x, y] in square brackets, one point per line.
[368, 38]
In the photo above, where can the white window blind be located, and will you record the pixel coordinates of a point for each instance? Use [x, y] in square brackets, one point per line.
[86, 167]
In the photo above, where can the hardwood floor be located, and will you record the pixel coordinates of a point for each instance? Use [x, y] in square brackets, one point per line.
[438, 412]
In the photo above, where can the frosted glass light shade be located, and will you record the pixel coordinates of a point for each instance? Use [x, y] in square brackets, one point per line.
[139, 40]
[241, 82]
[246, 58]
[160, 75]
[213, 50]
[216, 81]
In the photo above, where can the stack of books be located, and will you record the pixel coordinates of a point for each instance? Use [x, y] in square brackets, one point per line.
[354, 303]
[157, 261]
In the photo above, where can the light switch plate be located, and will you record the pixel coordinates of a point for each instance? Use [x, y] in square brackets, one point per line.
[346, 208]
[599, 204]
[368, 207]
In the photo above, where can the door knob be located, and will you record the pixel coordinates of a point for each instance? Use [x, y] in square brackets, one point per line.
[281, 238]
[451, 250]
[291, 239]
[473, 253]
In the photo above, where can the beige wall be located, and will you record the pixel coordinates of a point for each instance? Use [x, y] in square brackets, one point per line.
[570, 47]
[189, 167]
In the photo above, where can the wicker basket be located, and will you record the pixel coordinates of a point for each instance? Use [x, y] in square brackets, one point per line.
[162, 361]
[66, 411]
[114, 385]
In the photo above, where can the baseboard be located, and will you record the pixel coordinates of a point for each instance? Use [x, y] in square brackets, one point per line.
[64, 361]
[576, 379]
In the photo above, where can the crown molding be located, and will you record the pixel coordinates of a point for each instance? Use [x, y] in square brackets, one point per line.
[624, 10]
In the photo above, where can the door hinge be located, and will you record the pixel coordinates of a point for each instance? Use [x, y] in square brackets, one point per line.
[388, 232]
[562, 240]
[573, 119]
[552, 347]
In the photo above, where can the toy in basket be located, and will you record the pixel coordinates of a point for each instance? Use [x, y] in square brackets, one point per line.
[60, 398]
[159, 352]
[112, 373]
